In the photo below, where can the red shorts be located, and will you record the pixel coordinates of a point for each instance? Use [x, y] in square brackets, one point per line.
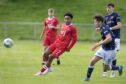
[48, 41]
[56, 51]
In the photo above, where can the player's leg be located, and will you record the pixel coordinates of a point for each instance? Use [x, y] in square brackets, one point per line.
[58, 61]
[46, 44]
[56, 53]
[48, 51]
[94, 60]
[98, 56]
[117, 43]
[109, 57]
[46, 68]
[106, 67]
[51, 41]
[115, 67]
[49, 62]
[107, 61]
[44, 58]
[46, 54]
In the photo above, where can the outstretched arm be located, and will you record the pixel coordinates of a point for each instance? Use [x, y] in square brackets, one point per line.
[73, 40]
[107, 40]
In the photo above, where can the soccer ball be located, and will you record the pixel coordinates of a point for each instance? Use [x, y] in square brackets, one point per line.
[8, 42]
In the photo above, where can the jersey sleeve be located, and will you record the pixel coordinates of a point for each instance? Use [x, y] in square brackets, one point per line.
[74, 38]
[74, 32]
[106, 32]
[118, 18]
[56, 22]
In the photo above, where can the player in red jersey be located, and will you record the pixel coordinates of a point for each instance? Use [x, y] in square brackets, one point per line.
[50, 31]
[65, 41]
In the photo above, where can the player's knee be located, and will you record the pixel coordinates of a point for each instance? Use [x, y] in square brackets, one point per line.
[92, 63]
[107, 67]
[52, 56]
[45, 48]
[46, 52]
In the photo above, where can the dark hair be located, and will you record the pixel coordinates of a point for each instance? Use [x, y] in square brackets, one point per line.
[69, 14]
[110, 4]
[98, 18]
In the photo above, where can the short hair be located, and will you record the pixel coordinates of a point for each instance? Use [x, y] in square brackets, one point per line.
[69, 14]
[110, 4]
[51, 10]
[98, 18]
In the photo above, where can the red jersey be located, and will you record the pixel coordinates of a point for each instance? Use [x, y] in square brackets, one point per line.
[50, 25]
[67, 37]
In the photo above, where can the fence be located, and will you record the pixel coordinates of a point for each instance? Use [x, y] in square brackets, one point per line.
[32, 30]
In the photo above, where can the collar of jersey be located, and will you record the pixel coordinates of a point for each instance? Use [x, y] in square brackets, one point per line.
[50, 18]
[69, 24]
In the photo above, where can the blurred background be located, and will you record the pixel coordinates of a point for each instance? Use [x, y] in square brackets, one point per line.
[23, 19]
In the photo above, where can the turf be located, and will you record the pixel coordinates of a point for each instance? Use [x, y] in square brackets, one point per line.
[19, 64]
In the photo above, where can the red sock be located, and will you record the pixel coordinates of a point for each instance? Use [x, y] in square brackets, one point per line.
[43, 68]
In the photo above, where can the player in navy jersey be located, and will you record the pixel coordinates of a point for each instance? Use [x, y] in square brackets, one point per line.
[107, 51]
[114, 21]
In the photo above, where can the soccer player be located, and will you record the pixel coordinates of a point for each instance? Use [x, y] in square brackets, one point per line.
[114, 22]
[49, 32]
[64, 42]
[107, 51]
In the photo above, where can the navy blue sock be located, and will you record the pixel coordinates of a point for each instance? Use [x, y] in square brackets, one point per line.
[115, 67]
[89, 72]
[114, 62]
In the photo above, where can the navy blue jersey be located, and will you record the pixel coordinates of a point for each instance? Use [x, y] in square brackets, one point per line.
[105, 30]
[112, 20]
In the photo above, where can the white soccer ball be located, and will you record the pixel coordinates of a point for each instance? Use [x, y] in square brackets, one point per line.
[8, 42]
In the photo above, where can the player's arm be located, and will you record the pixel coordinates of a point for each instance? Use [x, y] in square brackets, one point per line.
[43, 32]
[59, 29]
[102, 42]
[55, 25]
[119, 25]
[73, 40]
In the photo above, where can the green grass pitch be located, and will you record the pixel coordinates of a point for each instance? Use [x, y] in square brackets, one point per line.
[19, 64]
